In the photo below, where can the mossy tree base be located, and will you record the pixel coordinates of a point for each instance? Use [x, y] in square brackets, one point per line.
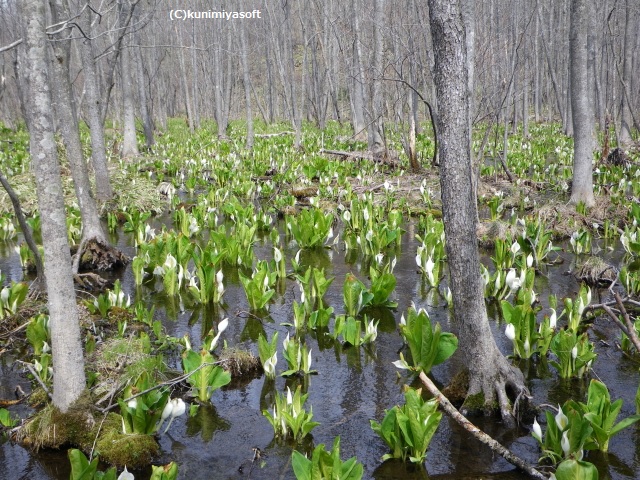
[457, 393]
[81, 428]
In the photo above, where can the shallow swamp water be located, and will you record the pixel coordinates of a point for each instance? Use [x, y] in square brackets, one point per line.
[230, 438]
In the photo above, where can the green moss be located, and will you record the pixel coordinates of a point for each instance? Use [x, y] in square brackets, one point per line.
[78, 427]
[117, 448]
[456, 390]
[38, 397]
[477, 404]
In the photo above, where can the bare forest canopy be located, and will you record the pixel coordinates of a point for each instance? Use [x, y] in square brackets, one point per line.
[349, 61]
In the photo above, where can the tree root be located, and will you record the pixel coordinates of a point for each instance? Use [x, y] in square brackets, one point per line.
[476, 432]
[488, 391]
[96, 254]
[90, 282]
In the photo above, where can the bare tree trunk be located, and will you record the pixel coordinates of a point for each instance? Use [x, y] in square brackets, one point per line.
[582, 111]
[489, 371]
[536, 68]
[129, 141]
[66, 347]
[147, 122]
[185, 86]
[104, 192]
[624, 134]
[269, 86]
[247, 86]
[194, 73]
[64, 107]
[358, 101]
[376, 140]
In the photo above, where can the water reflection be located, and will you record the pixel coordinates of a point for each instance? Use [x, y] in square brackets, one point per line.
[353, 385]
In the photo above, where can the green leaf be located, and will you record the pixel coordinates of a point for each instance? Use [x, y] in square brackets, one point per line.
[447, 345]
[301, 466]
[576, 470]
[81, 469]
[5, 418]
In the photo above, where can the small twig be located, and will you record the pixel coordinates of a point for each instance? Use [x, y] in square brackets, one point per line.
[171, 382]
[477, 433]
[630, 326]
[617, 321]
[245, 314]
[36, 376]
[96, 437]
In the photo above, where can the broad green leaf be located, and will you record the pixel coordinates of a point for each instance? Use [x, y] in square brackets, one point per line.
[576, 470]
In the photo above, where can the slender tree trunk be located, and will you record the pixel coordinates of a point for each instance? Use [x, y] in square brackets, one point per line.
[270, 107]
[624, 134]
[147, 122]
[247, 86]
[489, 371]
[104, 192]
[582, 111]
[185, 85]
[376, 140]
[66, 347]
[129, 140]
[194, 73]
[64, 107]
[359, 127]
[536, 68]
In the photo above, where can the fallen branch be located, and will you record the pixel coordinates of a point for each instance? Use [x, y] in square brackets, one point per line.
[269, 135]
[32, 371]
[362, 156]
[627, 326]
[627, 320]
[26, 232]
[477, 433]
[171, 382]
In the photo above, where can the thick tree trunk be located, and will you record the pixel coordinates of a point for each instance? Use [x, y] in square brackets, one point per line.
[104, 192]
[489, 371]
[66, 346]
[581, 108]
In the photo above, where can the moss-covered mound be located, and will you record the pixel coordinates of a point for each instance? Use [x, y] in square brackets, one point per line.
[84, 428]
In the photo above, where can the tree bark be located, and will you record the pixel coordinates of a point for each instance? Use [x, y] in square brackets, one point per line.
[247, 86]
[581, 108]
[624, 135]
[129, 141]
[145, 114]
[376, 140]
[357, 102]
[66, 347]
[39, 283]
[64, 107]
[489, 371]
[104, 191]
